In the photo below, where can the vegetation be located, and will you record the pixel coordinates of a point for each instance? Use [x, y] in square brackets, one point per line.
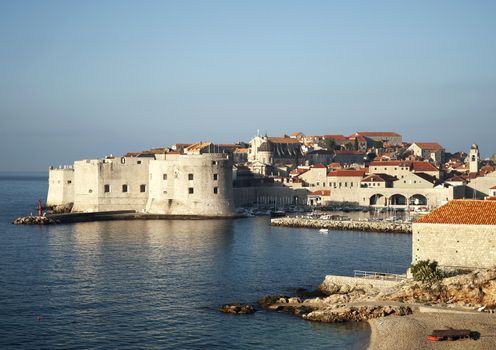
[329, 144]
[427, 271]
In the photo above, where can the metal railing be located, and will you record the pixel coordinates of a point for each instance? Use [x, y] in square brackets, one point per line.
[379, 275]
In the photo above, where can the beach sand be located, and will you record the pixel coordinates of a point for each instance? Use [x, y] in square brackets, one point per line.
[410, 332]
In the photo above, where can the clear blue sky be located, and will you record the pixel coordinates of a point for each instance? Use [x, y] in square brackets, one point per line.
[88, 78]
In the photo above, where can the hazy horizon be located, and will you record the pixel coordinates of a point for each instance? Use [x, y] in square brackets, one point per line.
[86, 79]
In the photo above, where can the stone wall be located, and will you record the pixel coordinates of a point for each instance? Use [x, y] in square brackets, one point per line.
[331, 280]
[276, 196]
[455, 245]
[60, 186]
[191, 185]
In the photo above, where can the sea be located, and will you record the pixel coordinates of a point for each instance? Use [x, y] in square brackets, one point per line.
[158, 284]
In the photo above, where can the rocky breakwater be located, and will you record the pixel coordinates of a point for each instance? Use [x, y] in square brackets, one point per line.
[368, 226]
[33, 220]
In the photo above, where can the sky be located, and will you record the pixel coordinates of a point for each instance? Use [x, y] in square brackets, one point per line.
[84, 79]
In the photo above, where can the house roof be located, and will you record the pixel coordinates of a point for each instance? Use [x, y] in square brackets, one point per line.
[282, 140]
[379, 178]
[335, 137]
[295, 134]
[390, 163]
[378, 133]
[493, 188]
[242, 150]
[429, 145]
[345, 153]
[358, 173]
[326, 193]
[463, 212]
[423, 166]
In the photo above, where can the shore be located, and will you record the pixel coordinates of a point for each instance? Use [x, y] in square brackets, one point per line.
[368, 226]
[411, 331]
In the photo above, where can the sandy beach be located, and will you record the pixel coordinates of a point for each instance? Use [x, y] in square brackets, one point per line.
[410, 332]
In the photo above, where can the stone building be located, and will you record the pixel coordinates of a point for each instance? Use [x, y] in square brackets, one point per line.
[389, 137]
[460, 234]
[429, 151]
[197, 184]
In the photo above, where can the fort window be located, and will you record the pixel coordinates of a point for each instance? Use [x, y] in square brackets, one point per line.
[215, 177]
[190, 176]
[69, 182]
[90, 191]
[190, 190]
[123, 160]
[139, 162]
[106, 188]
[124, 188]
[214, 162]
[164, 176]
[216, 190]
[142, 188]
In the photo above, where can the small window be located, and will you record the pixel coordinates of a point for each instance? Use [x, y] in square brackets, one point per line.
[123, 160]
[124, 188]
[215, 177]
[139, 162]
[190, 176]
[190, 190]
[214, 162]
[90, 191]
[216, 190]
[106, 188]
[142, 188]
[69, 182]
[164, 176]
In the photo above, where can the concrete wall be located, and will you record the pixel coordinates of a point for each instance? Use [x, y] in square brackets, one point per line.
[211, 185]
[60, 186]
[455, 245]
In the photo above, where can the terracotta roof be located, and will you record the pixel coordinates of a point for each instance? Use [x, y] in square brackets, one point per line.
[282, 140]
[463, 212]
[429, 145]
[359, 173]
[423, 166]
[335, 137]
[349, 153]
[493, 188]
[326, 193]
[379, 178]
[242, 150]
[296, 133]
[390, 163]
[378, 133]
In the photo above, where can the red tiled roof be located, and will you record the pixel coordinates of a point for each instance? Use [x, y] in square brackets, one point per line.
[282, 140]
[390, 163]
[326, 193]
[493, 188]
[378, 133]
[334, 137]
[429, 145]
[242, 150]
[423, 166]
[296, 133]
[358, 173]
[463, 212]
[338, 152]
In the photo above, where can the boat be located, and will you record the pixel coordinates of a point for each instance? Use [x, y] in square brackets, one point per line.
[277, 213]
[452, 334]
[324, 230]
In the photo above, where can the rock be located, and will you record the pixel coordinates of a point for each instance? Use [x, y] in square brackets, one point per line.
[33, 220]
[268, 300]
[237, 309]
[294, 300]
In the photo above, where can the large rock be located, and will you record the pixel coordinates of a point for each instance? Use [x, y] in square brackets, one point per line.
[237, 309]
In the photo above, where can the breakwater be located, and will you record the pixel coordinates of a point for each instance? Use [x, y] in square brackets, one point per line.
[368, 226]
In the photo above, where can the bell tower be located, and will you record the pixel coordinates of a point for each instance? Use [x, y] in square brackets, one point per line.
[474, 158]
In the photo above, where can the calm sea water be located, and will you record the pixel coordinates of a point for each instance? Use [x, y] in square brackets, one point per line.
[157, 284]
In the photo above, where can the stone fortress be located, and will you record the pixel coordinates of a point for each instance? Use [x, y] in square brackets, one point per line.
[196, 183]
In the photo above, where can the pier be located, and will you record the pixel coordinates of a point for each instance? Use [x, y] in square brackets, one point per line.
[368, 226]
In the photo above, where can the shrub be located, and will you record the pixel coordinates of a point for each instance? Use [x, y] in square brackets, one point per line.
[425, 271]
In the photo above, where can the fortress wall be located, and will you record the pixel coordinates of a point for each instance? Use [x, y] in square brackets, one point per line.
[60, 186]
[86, 185]
[132, 172]
[455, 245]
[270, 195]
[171, 195]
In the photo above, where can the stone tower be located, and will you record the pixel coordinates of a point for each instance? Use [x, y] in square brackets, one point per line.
[474, 158]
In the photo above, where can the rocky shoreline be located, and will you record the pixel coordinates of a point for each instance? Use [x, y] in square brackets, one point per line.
[367, 226]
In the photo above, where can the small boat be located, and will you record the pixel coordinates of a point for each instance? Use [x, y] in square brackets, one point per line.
[277, 213]
[324, 230]
[452, 334]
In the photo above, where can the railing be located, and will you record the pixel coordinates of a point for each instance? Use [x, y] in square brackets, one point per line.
[379, 275]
